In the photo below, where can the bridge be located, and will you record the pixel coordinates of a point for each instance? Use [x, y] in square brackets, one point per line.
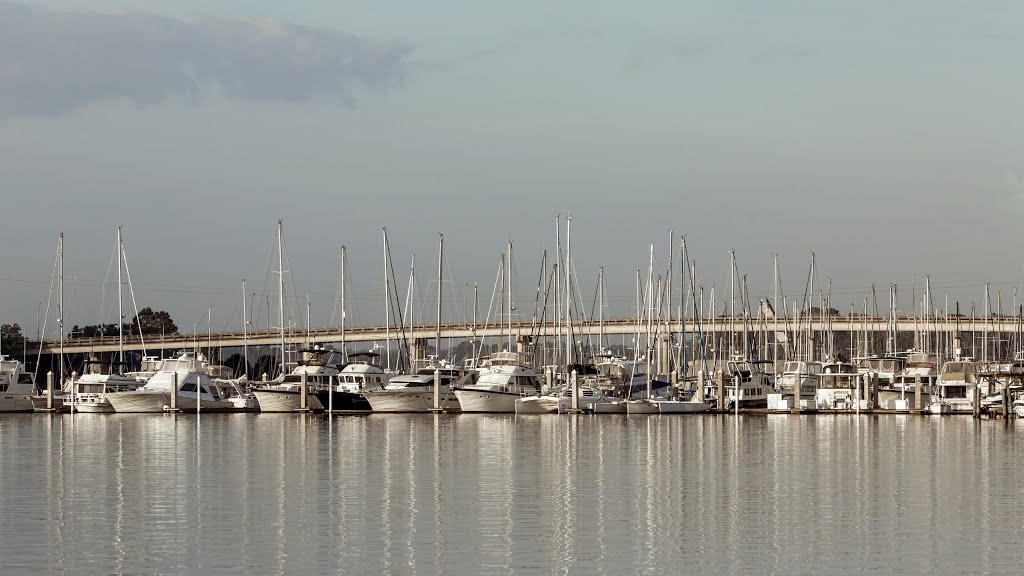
[526, 331]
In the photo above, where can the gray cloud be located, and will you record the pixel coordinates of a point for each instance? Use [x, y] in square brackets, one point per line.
[52, 62]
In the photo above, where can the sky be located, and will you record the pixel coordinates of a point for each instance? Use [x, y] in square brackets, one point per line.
[886, 137]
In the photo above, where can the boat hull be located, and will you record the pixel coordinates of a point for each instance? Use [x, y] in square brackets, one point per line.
[536, 405]
[642, 407]
[410, 401]
[486, 401]
[343, 402]
[285, 400]
[608, 407]
[15, 403]
[94, 408]
[160, 401]
[888, 398]
[92, 403]
[682, 407]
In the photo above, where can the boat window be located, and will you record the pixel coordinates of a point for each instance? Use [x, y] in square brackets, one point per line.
[188, 387]
[24, 379]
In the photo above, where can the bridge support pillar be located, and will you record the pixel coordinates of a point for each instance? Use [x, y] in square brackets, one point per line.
[523, 343]
[419, 350]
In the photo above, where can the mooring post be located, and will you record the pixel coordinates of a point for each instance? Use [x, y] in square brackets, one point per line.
[720, 379]
[304, 393]
[574, 378]
[796, 393]
[49, 391]
[174, 391]
[917, 394]
[436, 406]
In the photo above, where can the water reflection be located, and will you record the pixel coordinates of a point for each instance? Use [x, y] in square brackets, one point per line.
[476, 493]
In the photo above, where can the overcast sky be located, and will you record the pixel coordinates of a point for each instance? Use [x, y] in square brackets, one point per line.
[885, 136]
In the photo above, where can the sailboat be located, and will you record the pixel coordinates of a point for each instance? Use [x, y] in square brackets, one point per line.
[288, 391]
[429, 388]
[503, 377]
[89, 392]
[647, 404]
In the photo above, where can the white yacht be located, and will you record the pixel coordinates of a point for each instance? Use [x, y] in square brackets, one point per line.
[16, 386]
[840, 387]
[193, 385]
[918, 370]
[285, 393]
[89, 392]
[415, 392]
[354, 380]
[884, 368]
[955, 388]
[752, 389]
[587, 398]
[501, 380]
[601, 393]
[796, 373]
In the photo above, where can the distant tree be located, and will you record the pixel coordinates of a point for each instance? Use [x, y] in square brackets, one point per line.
[93, 331]
[237, 363]
[149, 322]
[268, 364]
[11, 339]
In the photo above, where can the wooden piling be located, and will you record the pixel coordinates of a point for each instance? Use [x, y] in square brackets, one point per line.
[304, 393]
[720, 380]
[49, 391]
[436, 404]
[796, 394]
[174, 392]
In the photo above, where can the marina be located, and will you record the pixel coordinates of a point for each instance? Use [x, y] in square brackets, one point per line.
[678, 355]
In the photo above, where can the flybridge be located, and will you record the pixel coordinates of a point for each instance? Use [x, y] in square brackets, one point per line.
[529, 331]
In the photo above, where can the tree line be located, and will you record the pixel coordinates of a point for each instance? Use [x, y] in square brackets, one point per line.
[147, 321]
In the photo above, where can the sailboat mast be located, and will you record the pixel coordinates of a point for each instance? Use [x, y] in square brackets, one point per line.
[120, 312]
[440, 283]
[508, 264]
[668, 302]
[60, 301]
[600, 310]
[732, 302]
[775, 315]
[344, 350]
[558, 286]
[387, 305]
[650, 317]
[245, 331]
[568, 292]
[280, 288]
[476, 313]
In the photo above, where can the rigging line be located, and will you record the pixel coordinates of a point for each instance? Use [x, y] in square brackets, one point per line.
[393, 304]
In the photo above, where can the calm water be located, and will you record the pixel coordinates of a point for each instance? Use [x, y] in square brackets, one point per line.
[469, 494]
